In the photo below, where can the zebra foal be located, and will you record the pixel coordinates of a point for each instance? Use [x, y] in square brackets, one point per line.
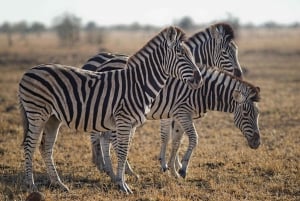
[51, 95]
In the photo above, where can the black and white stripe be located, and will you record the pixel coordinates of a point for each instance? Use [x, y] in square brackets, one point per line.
[52, 94]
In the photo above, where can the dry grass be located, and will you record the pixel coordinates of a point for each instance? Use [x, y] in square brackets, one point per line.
[223, 167]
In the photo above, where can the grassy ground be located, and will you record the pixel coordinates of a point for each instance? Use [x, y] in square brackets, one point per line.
[223, 167]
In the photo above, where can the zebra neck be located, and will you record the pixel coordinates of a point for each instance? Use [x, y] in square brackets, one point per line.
[147, 77]
[217, 90]
[202, 45]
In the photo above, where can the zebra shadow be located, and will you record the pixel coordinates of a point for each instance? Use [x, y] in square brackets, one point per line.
[12, 181]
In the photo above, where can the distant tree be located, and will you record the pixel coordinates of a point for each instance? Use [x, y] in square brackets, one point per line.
[249, 25]
[90, 26]
[67, 27]
[37, 28]
[270, 25]
[294, 25]
[134, 26]
[94, 35]
[7, 29]
[233, 21]
[185, 23]
[21, 27]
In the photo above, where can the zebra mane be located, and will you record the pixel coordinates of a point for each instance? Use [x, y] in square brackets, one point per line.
[254, 90]
[179, 36]
[226, 28]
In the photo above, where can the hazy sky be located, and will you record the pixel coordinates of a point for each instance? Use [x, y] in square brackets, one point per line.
[155, 12]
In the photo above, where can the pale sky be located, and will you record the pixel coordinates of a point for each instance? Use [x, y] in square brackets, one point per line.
[153, 12]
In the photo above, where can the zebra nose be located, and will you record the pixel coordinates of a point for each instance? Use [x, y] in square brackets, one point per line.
[198, 78]
[254, 142]
[238, 73]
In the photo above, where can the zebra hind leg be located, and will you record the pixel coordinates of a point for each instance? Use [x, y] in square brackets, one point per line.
[108, 164]
[124, 135]
[32, 132]
[97, 151]
[46, 150]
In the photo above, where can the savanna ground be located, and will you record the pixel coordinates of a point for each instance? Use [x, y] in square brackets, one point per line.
[223, 167]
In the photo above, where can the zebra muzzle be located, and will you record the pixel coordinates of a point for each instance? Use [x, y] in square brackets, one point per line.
[254, 142]
[197, 81]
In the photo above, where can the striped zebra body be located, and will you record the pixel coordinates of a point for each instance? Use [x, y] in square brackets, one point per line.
[213, 46]
[220, 92]
[52, 95]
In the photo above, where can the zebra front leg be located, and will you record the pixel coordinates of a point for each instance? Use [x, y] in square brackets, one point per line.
[176, 133]
[124, 134]
[105, 139]
[108, 164]
[97, 151]
[189, 128]
[46, 150]
[165, 125]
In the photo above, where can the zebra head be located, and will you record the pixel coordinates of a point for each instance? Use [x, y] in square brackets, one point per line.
[246, 114]
[225, 55]
[179, 61]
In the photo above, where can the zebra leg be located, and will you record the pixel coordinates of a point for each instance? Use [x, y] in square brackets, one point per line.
[46, 150]
[108, 164]
[106, 138]
[128, 169]
[177, 134]
[97, 152]
[189, 128]
[31, 139]
[165, 125]
[124, 134]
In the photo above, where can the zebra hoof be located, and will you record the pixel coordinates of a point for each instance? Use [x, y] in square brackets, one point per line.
[59, 186]
[124, 188]
[32, 188]
[164, 169]
[182, 173]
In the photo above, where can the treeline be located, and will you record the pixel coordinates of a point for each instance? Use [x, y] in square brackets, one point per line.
[69, 26]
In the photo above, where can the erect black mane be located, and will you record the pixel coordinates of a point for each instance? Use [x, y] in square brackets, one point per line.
[229, 32]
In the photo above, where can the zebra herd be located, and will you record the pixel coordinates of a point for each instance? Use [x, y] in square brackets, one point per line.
[173, 78]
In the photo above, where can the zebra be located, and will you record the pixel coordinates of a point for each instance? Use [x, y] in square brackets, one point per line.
[221, 92]
[213, 46]
[52, 94]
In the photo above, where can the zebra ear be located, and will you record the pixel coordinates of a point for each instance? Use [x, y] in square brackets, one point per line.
[238, 96]
[217, 33]
[171, 35]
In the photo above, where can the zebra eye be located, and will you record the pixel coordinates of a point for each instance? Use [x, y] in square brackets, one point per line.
[246, 113]
[179, 49]
[224, 51]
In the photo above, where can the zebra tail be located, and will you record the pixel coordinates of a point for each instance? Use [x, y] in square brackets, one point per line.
[24, 119]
